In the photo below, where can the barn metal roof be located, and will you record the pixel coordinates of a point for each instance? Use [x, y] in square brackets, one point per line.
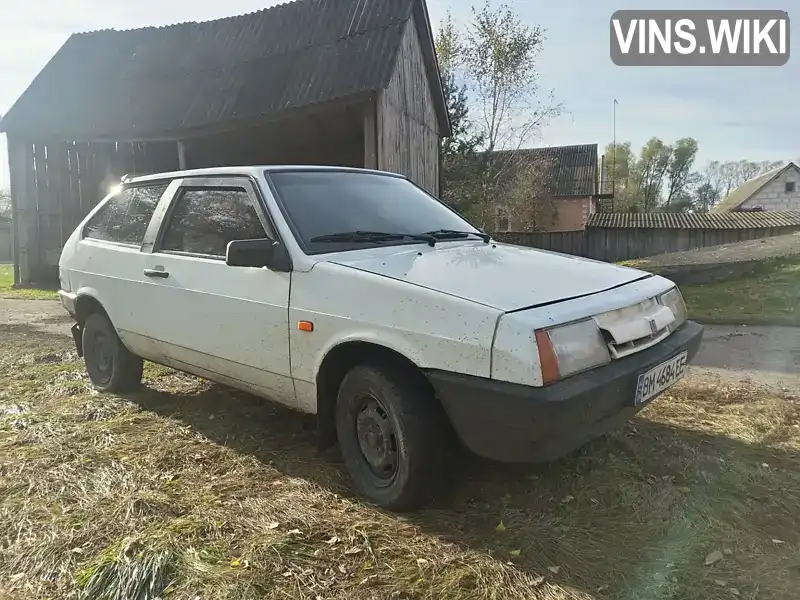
[143, 82]
[731, 220]
[573, 168]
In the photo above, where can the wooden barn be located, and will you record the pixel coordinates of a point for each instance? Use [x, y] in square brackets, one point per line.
[331, 82]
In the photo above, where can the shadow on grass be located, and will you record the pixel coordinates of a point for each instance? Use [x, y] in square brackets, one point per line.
[632, 515]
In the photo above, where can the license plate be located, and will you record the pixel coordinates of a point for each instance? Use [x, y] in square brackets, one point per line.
[659, 378]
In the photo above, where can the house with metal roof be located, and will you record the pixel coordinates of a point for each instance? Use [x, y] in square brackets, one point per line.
[572, 181]
[775, 190]
[330, 82]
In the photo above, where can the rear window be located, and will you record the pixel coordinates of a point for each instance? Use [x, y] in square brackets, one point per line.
[124, 218]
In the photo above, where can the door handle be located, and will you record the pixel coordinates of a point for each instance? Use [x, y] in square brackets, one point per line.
[156, 273]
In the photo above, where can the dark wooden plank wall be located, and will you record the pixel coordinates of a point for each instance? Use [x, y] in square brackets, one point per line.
[327, 136]
[23, 210]
[55, 184]
[6, 250]
[616, 244]
[408, 139]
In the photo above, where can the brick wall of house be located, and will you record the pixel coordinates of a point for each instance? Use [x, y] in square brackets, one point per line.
[773, 196]
[571, 214]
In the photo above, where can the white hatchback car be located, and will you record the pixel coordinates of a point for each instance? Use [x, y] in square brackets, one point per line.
[358, 297]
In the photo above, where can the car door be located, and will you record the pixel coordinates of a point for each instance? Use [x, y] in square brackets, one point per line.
[229, 324]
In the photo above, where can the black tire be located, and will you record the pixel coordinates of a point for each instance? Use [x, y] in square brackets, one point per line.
[110, 365]
[409, 427]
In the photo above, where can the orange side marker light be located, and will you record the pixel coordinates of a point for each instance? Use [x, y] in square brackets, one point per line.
[547, 357]
[305, 326]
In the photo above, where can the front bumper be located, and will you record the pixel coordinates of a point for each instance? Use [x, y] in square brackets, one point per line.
[69, 301]
[516, 423]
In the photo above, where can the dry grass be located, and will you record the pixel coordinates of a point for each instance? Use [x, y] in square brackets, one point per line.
[770, 295]
[7, 289]
[189, 491]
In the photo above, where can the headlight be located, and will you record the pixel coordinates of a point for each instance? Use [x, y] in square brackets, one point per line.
[570, 349]
[673, 300]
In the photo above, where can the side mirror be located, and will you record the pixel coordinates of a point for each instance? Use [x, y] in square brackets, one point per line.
[250, 253]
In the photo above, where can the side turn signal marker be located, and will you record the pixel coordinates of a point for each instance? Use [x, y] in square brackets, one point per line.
[305, 326]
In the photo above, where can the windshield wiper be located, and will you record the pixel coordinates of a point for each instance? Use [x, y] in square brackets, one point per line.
[373, 236]
[452, 233]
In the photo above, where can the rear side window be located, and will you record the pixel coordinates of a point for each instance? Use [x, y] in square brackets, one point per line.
[124, 218]
[205, 220]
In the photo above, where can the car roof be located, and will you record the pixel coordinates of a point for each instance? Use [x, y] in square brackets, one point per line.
[250, 171]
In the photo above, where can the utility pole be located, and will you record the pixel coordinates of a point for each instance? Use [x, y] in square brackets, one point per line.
[614, 161]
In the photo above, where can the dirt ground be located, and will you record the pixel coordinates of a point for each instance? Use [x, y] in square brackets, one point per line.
[762, 355]
[761, 249]
[39, 315]
[768, 356]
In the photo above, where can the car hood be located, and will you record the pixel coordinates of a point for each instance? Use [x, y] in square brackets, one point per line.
[502, 276]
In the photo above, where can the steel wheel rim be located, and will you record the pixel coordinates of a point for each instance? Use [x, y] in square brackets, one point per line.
[102, 355]
[377, 440]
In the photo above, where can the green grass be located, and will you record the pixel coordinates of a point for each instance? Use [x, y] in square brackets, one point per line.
[770, 295]
[636, 263]
[7, 289]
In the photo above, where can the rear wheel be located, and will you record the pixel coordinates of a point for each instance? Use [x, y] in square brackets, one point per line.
[394, 437]
[110, 365]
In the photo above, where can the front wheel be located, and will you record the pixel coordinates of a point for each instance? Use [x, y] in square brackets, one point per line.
[394, 437]
[110, 365]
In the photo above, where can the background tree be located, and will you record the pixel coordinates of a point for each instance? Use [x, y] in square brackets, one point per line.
[619, 165]
[5, 203]
[526, 193]
[705, 197]
[662, 177]
[650, 171]
[459, 151]
[500, 55]
[679, 172]
[491, 73]
[769, 165]
[747, 170]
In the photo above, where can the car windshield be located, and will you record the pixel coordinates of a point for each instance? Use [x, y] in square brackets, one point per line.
[332, 211]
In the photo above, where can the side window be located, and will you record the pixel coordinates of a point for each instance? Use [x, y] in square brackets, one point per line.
[205, 220]
[124, 218]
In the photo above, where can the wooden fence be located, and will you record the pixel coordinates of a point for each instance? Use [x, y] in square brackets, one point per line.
[6, 250]
[616, 244]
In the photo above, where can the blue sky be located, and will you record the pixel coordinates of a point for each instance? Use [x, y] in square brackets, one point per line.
[734, 113]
